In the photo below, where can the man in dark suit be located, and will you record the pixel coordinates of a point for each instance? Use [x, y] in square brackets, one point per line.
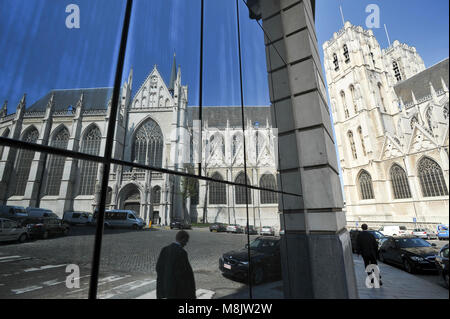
[175, 278]
[367, 247]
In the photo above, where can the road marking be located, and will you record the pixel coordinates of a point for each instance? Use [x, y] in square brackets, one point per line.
[26, 289]
[44, 268]
[102, 281]
[107, 294]
[1, 258]
[14, 259]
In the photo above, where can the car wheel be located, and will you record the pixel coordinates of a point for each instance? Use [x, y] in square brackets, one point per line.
[23, 238]
[258, 275]
[408, 267]
[45, 235]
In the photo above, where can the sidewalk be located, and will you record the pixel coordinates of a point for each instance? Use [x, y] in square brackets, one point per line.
[397, 284]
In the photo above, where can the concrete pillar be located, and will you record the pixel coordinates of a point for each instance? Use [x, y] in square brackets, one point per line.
[316, 251]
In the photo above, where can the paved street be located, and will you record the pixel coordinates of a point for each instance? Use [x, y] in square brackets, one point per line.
[37, 269]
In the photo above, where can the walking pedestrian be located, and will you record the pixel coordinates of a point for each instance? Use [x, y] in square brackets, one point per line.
[175, 278]
[367, 247]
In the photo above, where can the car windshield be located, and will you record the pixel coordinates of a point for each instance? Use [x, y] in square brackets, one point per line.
[377, 234]
[412, 242]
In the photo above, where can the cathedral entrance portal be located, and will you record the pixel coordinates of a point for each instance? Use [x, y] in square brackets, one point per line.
[130, 199]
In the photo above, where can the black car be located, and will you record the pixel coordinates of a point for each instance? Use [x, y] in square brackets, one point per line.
[180, 224]
[442, 264]
[252, 230]
[354, 235]
[45, 227]
[410, 252]
[265, 258]
[218, 227]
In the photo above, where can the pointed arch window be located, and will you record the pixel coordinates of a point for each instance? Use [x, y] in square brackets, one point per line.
[217, 191]
[240, 197]
[353, 96]
[346, 54]
[267, 197]
[55, 163]
[156, 194]
[396, 69]
[4, 134]
[361, 137]
[382, 97]
[431, 178]
[352, 144]
[216, 144]
[414, 121]
[335, 62]
[148, 144]
[365, 185]
[235, 143]
[399, 181]
[24, 160]
[344, 104]
[88, 169]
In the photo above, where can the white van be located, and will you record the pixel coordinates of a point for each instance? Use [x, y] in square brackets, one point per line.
[16, 213]
[40, 212]
[393, 230]
[123, 219]
[74, 218]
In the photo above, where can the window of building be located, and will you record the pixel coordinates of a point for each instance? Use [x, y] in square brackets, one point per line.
[88, 169]
[55, 164]
[382, 97]
[240, 190]
[24, 160]
[399, 181]
[344, 104]
[148, 144]
[4, 134]
[365, 185]
[217, 191]
[335, 62]
[361, 138]
[267, 197]
[353, 95]
[346, 54]
[352, 144]
[235, 143]
[431, 178]
[396, 69]
[156, 194]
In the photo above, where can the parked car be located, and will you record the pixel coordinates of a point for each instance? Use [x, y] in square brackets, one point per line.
[234, 228]
[16, 213]
[44, 227]
[410, 252]
[264, 256]
[267, 231]
[393, 230]
[117, 218]
[40, 212]
[442, 264]
[252, 230]
[354, 235]
[218, 227]
[77, 218]
[442, 231]
[11, 230]
[423, 233]
[180, 224]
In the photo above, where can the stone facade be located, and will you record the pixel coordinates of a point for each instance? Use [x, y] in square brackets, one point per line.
[150, 129]
[391, 120]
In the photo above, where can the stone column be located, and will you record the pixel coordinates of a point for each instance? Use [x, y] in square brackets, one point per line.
[316, 251]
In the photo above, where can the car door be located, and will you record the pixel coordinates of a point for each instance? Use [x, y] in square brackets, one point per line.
[386, 249]
[10, 230]
[397, 252]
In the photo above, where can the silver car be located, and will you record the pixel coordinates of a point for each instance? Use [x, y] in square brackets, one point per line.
[12, 231]
[123, 219]
[267, 231]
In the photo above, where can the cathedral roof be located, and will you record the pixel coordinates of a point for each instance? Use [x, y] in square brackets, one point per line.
[217, 116]
[94, 99]
[420, 83]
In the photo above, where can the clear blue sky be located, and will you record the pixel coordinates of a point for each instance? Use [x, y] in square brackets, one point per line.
[39, 53]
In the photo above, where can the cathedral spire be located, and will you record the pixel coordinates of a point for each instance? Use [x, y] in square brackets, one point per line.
[444, 86]
[4, 109]
[173, 75]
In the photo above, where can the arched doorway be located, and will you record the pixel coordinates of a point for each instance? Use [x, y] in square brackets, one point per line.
[130, 198]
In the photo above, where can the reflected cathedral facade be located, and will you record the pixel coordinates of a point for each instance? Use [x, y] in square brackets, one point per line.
[146, 133]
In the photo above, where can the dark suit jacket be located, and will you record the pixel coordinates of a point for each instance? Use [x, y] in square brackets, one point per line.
[175, 278]
[367, 245]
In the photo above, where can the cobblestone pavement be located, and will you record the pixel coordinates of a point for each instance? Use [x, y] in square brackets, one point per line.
[128, 258]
